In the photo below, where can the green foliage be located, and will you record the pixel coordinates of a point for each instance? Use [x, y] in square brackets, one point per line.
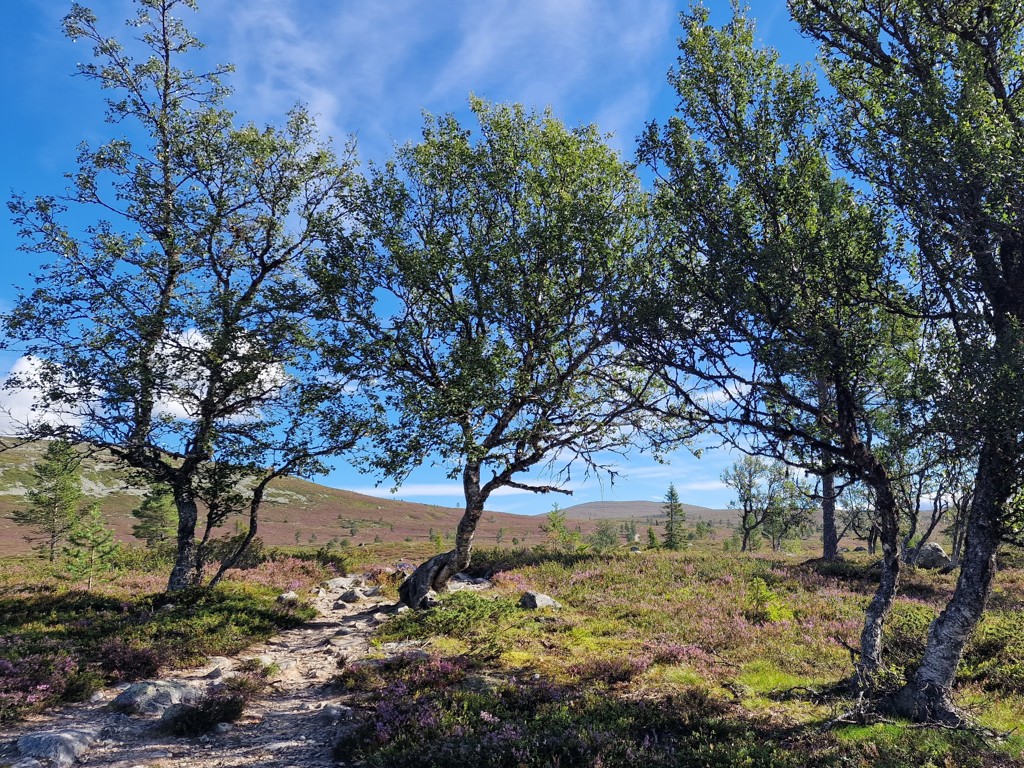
[604, 537]
[460, 229]
[652, 539]
[763, 605]
[464, 615]
[673, 536]
[53, 498]
[91, 548]
[157, 518]
[559, 536]
[172, 273]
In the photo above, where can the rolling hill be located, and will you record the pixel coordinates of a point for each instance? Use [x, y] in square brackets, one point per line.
[295, 510]
[646, 511]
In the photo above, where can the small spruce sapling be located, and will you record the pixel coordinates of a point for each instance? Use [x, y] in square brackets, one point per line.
[91, 546]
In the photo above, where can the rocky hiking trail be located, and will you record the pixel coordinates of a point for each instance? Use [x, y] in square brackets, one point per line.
[294, 724]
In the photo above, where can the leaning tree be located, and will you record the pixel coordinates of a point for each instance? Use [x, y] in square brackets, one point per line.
[931, 115]
[778, 314]
[172, 328]
[479, 299]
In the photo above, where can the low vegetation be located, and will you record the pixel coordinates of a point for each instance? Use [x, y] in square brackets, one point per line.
[59, 643]
[694, 658]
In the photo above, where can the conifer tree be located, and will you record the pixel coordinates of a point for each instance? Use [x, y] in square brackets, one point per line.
[157, 517]
[53, 502]
[673, 538]
[91, 546]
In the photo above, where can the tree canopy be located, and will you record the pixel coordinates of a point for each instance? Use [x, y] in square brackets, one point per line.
[173, 330]
[484, 290]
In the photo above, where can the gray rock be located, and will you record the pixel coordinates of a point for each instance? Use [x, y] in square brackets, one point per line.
[352, 596]
[371, 592]
[533, 600]
[222, 728]
[288, 597]
[28, 762]
[153, 697]
[933, 557]
[481, 582]
[334, 713]
[338, 584]
[860, 549]
[61, 747]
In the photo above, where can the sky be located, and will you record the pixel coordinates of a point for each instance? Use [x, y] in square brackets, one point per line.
[368, 69]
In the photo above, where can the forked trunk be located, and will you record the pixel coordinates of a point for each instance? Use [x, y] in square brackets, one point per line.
[928, 697]
[184, 573]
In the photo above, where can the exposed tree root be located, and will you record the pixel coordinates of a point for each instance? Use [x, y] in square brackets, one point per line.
[431, 575]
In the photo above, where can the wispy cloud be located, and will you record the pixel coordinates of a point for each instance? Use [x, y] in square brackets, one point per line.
[367, 69]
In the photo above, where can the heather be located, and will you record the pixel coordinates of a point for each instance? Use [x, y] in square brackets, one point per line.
[59, 643]
[700, 657]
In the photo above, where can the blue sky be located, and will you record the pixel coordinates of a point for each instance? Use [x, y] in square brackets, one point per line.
[367, 69]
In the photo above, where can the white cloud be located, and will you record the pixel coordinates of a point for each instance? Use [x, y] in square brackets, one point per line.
[21, 400]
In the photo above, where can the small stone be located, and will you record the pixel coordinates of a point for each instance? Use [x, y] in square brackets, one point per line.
[532, 600]
[288, 597]
[168, 607]
[352, 596]
[380, 618]
[28, 762]
[371, 592]
[221, 728]
[339, 605]
[341, 582]
[481, 582]
[402, 608]
[334, 713]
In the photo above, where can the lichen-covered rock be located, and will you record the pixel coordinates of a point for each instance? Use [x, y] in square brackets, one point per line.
[60, 747]
[933, 557]
[289, 597]
[532, 600]
[153, 697]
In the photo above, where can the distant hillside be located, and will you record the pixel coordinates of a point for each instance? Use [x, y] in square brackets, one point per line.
[294, 508]
[645, 510]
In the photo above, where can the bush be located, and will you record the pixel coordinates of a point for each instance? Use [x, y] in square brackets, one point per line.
[123, 662]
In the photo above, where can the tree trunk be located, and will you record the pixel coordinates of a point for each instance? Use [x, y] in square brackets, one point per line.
[183, 574]
[881, 603]
[438, 570]
[829, 534]
[928, 696]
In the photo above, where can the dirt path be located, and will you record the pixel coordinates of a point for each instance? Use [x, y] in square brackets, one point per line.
[293, 725]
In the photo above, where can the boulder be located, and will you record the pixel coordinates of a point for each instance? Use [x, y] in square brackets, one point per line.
[534, 600]
[288, 598]
[352, 596]
[62, 747]
[933, 557]
[153, 697]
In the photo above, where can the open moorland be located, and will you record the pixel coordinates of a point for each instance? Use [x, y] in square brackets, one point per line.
[700, 657]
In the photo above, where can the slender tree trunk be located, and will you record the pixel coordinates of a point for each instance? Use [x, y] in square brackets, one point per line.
[438, 570]
[928, 697]
[881, 602]
[829, 534]
[183, 574]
